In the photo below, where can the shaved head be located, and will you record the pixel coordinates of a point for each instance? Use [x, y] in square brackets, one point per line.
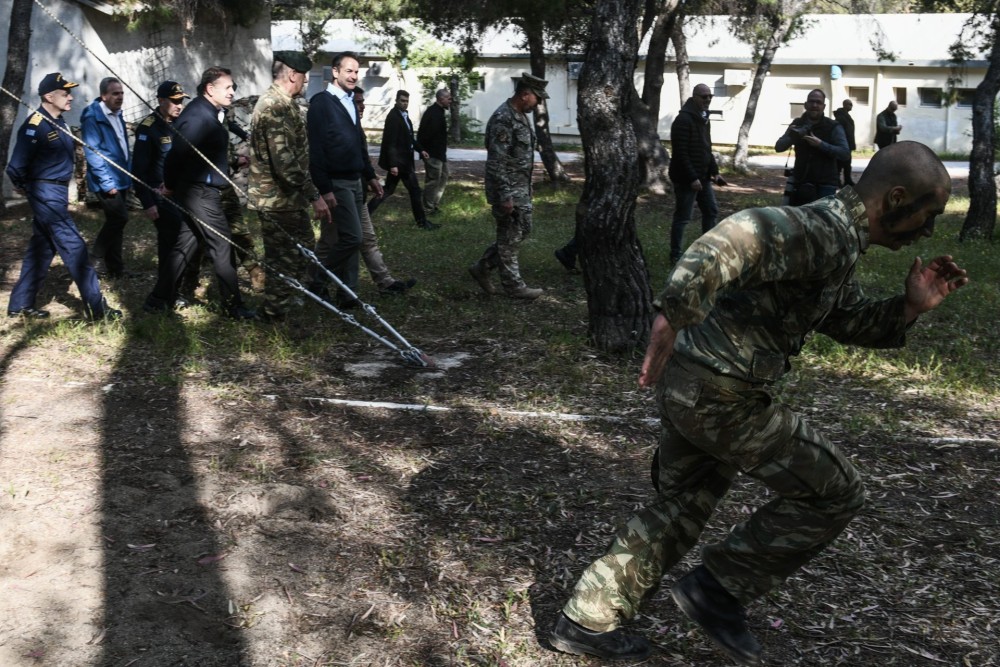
[907, 163]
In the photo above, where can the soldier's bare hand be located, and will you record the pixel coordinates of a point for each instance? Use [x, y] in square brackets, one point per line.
[152, 213]
[322, 211]
[658, 352]
[927, 286]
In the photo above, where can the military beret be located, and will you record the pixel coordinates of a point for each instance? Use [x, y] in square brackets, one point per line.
[297, 60]
[171, 90]
[534, 84]
[54, 81]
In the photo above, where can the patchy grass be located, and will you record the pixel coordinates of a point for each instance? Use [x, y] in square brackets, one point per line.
[370, 536]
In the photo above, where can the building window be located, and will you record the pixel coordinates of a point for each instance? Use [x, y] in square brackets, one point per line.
[899, 94]
[858, 94]
[930, 97]
[964, 97]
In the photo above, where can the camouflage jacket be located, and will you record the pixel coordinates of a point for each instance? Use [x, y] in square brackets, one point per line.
[745, 295]
[279, 155]
[510, 156]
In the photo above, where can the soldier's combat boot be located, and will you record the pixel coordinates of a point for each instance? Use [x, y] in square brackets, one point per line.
[525, 292]
[481, 274]
[570, 637]
[719, 614]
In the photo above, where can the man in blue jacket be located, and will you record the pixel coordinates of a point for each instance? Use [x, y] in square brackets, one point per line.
[40, 168]
[337, 159]
[103, 130]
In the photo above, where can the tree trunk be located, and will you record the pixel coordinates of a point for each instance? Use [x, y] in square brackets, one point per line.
[536, 54]
[653, 158]
[742, 155]
[981, 217]
[455, 111]
[18, 41]
[619, 299]
[683, 65]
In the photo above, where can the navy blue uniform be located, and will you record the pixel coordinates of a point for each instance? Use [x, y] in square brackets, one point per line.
[42, 166]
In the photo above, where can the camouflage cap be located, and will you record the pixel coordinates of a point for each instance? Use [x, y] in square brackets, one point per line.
[54, 81]
[171, 90]
[534, 84]
[297, 60]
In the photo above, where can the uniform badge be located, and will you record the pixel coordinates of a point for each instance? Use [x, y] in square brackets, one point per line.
[30, 132]
[35, 120]
[166, 140]
[53, 135]
[141, 137]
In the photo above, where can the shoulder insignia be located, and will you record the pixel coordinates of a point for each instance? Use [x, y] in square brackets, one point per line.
[166, 140]
[53, 135]
[148, 121]
[35, 119]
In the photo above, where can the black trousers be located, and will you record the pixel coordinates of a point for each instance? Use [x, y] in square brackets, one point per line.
[412, 185]
[108, 245]
[204, 203]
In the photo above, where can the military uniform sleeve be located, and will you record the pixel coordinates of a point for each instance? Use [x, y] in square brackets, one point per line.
[499, 161]
[143, 158]
[98, 166]
[745, 250]
[24, 152]
[289, 164]
[858, 320]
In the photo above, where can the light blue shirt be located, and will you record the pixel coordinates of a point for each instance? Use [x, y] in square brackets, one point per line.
[345, 98]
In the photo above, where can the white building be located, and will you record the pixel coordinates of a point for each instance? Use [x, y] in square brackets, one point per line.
[835, 53]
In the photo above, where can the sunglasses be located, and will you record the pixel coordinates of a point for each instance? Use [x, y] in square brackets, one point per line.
[705, 97]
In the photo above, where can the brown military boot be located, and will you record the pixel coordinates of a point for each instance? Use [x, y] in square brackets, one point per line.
[481, 274]
[257, 278]
[525, 292]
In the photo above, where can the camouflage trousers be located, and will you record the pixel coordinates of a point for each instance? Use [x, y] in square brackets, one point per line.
[512, 228]
[243, 252]
[278, 228]
[709, 433]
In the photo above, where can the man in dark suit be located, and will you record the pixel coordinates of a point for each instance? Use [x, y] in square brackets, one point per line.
[843, 116]
[396, 157]
[195, 172]
[337, 159]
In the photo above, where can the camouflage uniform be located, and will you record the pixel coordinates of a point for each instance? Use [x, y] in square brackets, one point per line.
[281, 190]
[510, 146]
[742, 299]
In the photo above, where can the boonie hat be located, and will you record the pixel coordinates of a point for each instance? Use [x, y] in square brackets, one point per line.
[54, 81]
[171, 90]
[297, 60]
[534, 84]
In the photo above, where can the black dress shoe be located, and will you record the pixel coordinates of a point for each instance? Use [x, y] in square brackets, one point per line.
[570, 637]
[241, 313]
[566, 259]
[30, 313]
[428, 225]
[108, 315]
[400, 286]
[720, 615]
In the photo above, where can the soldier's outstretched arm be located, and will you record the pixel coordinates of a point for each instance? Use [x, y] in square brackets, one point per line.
[658, 352]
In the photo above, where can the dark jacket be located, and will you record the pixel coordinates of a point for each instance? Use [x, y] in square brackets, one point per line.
[844, 118]
[691, 143]
[336, 148]
[153, 140]
[883, 122]
[817, 166]
[433, 132]
[398, 143]
[199, 127]
[41, 152]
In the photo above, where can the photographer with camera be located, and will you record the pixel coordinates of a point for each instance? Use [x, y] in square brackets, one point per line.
[819, 144]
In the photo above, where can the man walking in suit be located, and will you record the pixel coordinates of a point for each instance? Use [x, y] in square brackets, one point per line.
[396, 157]
[337, 159]
[843, 116]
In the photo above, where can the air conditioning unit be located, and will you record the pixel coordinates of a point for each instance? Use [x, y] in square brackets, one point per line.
[736, 77]
[573, 70]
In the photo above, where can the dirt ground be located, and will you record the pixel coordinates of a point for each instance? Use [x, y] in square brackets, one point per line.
[156, 514]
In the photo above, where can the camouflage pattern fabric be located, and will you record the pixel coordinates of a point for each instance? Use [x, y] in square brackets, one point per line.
[281, 254]
[764, 278]
[243, 250]
[709, 434]
[743, 298]
[279, 155]
[512, 228]
[510, 156]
